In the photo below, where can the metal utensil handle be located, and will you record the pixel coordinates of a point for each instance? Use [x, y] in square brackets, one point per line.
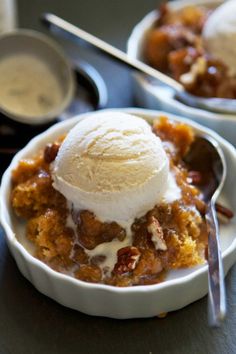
[217, 299]
[54, 21]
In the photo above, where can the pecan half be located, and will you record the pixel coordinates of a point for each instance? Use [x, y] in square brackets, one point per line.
[154, 228]
[128, 258]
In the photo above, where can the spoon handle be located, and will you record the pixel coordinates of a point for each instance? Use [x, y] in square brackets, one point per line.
[217, 299]
[57, 25]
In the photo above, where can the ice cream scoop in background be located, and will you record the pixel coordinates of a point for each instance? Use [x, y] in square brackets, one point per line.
[114, 166]
[219, 34]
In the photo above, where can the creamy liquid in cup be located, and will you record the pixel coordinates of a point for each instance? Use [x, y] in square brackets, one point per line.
[27, 86]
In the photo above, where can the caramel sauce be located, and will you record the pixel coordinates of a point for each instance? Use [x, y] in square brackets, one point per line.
[65, 249]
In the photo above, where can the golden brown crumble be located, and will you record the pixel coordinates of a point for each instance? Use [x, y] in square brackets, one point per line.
[174, 46]
[91, 232]
[169, 236]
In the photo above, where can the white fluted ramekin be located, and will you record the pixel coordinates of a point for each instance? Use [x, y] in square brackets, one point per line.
[155, 96]
[179, 289]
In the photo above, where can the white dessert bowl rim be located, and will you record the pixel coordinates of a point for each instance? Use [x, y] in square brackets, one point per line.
[18, 250]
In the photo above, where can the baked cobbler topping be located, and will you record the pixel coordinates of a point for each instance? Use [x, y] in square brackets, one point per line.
[175, 46]
[76, 242]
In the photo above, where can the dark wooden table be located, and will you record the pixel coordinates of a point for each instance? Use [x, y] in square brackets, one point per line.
[31, 323]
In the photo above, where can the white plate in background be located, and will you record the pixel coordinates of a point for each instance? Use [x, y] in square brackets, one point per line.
[160, 97]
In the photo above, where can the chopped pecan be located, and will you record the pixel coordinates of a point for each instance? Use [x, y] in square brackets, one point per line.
[199, 67]
[201, 206]
[195, 177]
[50, 152]
[154, 228]
[128, 258]
[224, 211]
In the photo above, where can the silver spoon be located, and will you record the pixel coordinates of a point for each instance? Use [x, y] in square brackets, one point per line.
[207, 158]
[60, 26]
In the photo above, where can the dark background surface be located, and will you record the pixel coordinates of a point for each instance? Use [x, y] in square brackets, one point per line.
[31, 322]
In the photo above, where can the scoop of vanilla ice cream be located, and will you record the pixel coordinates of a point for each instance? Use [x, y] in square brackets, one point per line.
[219, 34]
[113, 165]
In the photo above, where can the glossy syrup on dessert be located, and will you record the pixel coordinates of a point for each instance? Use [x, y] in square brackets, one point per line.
[169, 236]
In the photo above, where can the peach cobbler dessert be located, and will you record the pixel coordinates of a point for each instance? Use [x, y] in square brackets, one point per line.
[195, 45]
[113, 201]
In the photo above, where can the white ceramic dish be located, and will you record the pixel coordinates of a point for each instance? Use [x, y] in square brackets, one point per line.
[179, 289]
[160, 97]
